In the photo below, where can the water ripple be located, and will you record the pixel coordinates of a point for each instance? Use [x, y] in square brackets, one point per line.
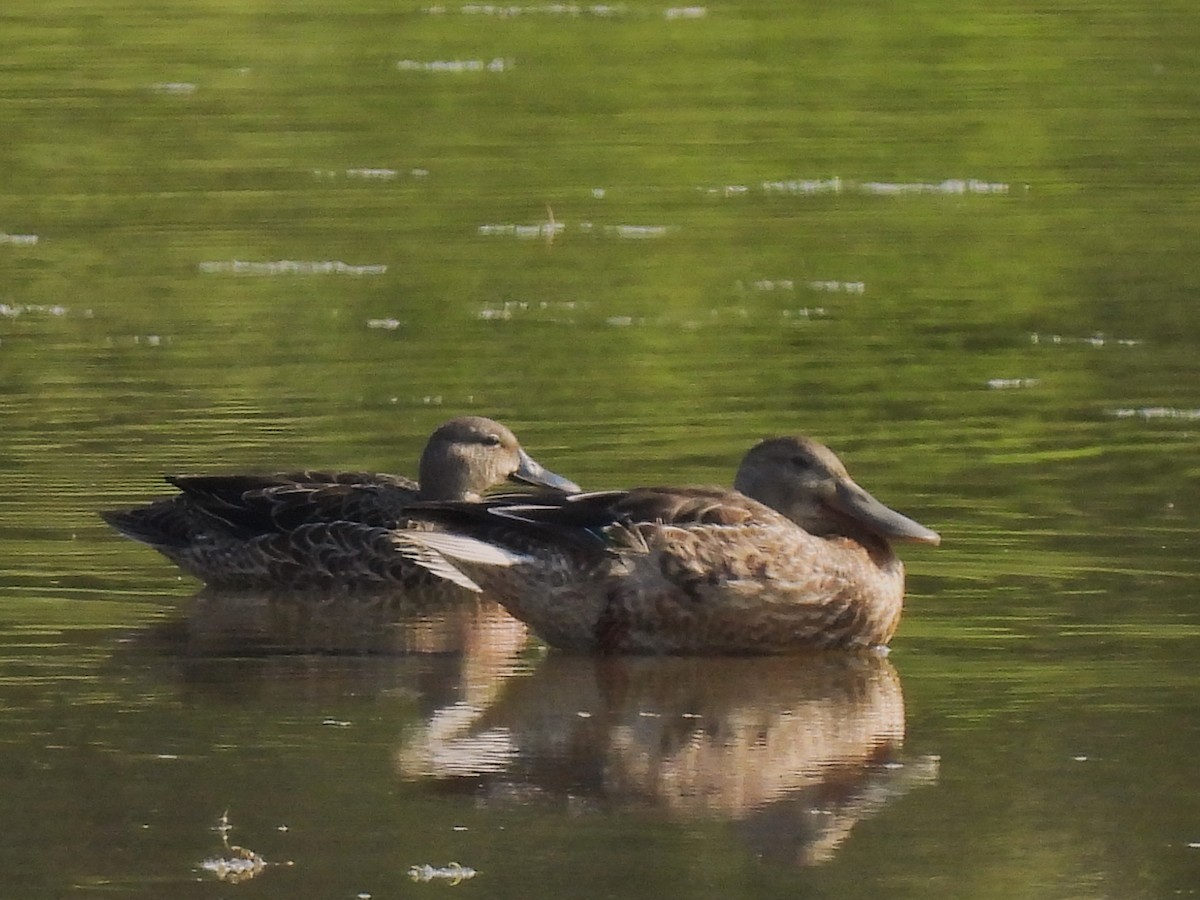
[289, 267]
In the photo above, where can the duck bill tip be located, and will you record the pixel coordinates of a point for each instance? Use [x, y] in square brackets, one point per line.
[532, 472]
[926, 536]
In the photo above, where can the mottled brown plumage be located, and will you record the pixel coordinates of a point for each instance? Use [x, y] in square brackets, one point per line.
[324, 529]
[797, 556]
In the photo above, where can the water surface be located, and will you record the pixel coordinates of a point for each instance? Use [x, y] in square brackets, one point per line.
[954, 242]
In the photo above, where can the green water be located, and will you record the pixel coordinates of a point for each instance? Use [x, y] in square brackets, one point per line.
[956, 242]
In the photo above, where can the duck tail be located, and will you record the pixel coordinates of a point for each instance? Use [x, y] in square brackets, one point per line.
[153, 525]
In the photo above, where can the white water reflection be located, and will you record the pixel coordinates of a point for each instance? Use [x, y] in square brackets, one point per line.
[835, 185]
[173, 87]
[507, 10]
[803, 186]
[549, 229]
[556, 311]
[1005, 384]
[949, 186]
[289, 267]
[368, 173]
[637, 232]
[1094, 340]
[384, 324]
[838, 287]
[19, 240]
[580, 313]
[686, 12]
[1154, 412]
[523, 232]
[805, 312]
[455, 66]
[16, 310]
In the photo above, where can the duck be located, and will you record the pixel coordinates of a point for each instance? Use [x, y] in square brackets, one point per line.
[796, 557]
[321, 530]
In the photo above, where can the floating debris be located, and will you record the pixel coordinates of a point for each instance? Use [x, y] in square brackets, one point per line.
[234, 864]
[454, 873]
[685, 12]
[1155, 412]
[384, 324]
[239, 864]
[18, 240]
[1005, 384]
[455, 66]
[288, 267]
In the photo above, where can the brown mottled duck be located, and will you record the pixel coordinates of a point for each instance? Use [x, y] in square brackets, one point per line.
[796, 556]
[320, 530]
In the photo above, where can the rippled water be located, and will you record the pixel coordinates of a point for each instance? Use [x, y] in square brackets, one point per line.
[953, 242]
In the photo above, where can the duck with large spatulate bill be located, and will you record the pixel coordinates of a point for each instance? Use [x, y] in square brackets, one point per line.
[796, 556]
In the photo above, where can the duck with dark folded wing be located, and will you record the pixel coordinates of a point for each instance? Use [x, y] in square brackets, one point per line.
[326, 529]
[796, 556]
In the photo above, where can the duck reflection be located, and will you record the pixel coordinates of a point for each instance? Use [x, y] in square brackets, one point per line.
[792, 750]
[231, 623]
[244, 644]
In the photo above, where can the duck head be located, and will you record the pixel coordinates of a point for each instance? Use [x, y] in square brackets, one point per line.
[806, 482]
[468, 455]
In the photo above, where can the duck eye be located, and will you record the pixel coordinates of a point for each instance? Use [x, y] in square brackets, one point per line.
[799, 462]
[491, 440]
